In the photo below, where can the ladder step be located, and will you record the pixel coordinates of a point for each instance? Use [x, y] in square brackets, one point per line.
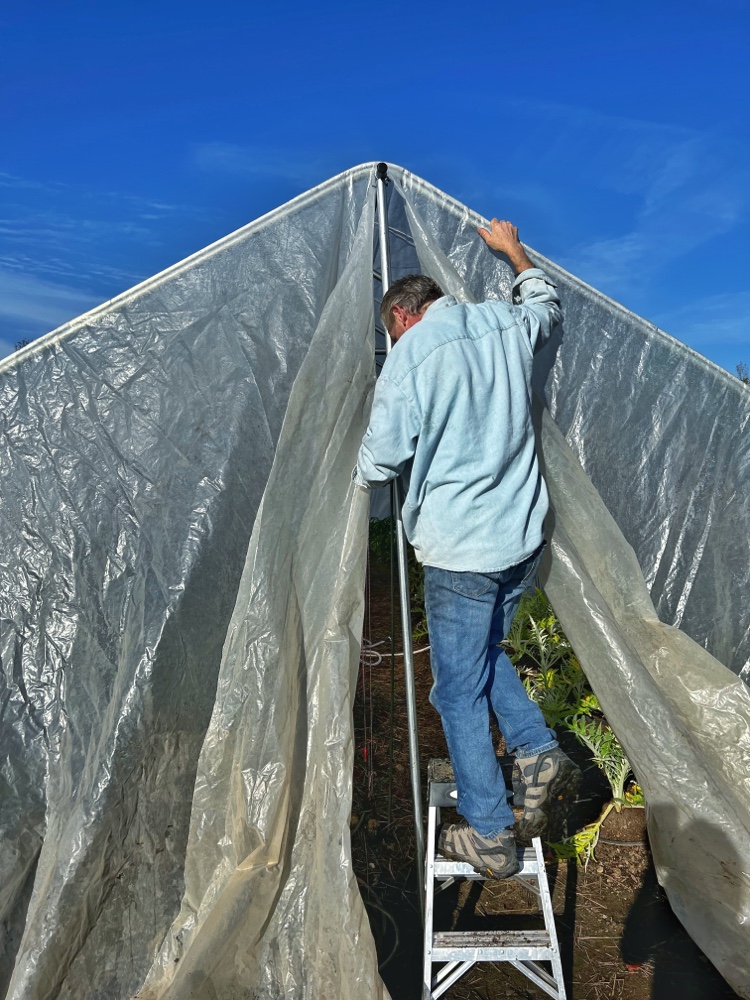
[491, 946]
[459, 869]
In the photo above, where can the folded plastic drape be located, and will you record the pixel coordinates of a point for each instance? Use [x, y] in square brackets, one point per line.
[271, 902]
[682, 716]
[137, 445]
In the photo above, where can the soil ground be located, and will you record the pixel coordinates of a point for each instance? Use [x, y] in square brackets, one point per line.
[618, 936]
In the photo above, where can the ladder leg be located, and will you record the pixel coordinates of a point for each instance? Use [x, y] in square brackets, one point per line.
[429, 902]
[549, 920]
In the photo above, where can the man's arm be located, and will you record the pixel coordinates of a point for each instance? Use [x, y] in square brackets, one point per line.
[390, 439]
[533, 292]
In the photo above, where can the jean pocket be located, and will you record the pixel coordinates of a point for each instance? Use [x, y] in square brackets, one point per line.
[471, 584]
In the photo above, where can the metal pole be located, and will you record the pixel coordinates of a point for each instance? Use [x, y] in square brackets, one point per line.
[403, 578]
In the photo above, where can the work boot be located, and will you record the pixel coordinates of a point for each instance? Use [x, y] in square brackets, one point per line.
[493, 857]
[544, 785]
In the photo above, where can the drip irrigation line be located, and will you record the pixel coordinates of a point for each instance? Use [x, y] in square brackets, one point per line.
[376, 904]
[622, 843]
[373, 659]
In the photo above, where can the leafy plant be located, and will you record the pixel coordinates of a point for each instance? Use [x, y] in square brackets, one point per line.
[561, 691]
[582, 844]
[607, 752]
[554, 679]
[634, 794]
[536, 633]
[610, 758]
[381, 532]
[551, 673]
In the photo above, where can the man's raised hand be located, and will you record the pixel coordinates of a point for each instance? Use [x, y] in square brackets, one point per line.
[503, 236]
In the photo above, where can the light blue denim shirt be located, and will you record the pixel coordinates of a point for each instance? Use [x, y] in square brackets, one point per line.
[452, 413]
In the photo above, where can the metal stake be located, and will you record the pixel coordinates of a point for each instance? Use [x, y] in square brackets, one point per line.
[403, 578]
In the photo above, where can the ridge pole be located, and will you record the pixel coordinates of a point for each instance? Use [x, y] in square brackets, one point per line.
[403, 575]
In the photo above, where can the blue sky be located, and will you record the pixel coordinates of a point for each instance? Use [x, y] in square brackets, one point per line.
[617, 137]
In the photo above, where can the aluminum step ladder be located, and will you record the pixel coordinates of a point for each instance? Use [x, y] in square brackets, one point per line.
[460, 950]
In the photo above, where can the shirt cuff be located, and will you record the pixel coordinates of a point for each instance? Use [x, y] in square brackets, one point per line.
[530, 272]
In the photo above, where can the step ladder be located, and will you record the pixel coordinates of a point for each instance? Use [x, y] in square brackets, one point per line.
[458, 951]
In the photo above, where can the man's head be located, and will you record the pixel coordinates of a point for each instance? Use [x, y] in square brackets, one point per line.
[405, 301]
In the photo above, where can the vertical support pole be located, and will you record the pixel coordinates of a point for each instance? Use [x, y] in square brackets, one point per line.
[403, 578]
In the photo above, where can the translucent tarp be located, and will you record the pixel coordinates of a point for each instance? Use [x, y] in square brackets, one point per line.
[138, 442]
[181, 602]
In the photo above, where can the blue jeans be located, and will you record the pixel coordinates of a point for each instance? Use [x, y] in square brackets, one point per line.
[468, 614]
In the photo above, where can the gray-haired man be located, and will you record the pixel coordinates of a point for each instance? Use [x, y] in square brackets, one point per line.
[451, 413]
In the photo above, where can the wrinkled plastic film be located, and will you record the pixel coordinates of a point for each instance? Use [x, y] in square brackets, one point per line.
[138, 443]
[271, 900]
[682, 716]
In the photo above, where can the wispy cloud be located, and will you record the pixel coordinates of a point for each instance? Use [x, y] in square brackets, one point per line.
[135, 204]
[681, 188]
[251, 161]
[64, 248]
[14, 182]
[35, 301]
[723, 319]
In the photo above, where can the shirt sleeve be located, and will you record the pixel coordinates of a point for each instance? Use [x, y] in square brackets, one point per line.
[536, 304]
[391, 437]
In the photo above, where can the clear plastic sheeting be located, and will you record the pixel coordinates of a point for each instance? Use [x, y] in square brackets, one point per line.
[137, 444]
[271, 902]
[682, 716]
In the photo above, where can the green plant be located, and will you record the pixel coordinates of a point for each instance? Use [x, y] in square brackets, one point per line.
[551, 673]
[554, 679]
[610, 758]
[634, 794]
[582, 844]
[535, 633]
[607, 752]
[561, 691]
[381, 532]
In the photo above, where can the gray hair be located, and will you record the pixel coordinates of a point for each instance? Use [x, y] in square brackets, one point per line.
[412, 293]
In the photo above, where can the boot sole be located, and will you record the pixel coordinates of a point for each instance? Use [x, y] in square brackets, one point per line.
[485, 871]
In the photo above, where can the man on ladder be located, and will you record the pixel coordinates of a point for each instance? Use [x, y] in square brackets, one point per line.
[452, 413]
